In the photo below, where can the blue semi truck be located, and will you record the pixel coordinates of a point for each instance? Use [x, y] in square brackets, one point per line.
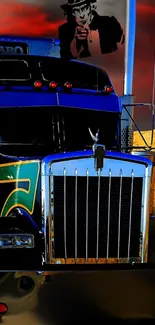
[71, 192]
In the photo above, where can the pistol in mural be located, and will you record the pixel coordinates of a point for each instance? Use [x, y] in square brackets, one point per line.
[86, 32]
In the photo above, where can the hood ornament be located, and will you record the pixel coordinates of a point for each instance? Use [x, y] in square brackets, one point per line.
[95, 137]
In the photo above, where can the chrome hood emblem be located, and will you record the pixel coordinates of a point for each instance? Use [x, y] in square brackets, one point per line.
[95, 137]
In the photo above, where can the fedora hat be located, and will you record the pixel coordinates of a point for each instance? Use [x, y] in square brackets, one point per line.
[74, 3]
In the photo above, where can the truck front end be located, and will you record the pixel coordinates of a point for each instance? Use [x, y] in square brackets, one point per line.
[95, 215]
[63, 203]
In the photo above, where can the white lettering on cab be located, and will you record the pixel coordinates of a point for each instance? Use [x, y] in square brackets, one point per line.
[11, 49]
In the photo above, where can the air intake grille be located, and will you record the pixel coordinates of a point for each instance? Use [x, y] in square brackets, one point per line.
[98, 224]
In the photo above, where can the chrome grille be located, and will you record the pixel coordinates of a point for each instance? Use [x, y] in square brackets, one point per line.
[96, 219]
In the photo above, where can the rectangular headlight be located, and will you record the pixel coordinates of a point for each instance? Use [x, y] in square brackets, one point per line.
[16, 241]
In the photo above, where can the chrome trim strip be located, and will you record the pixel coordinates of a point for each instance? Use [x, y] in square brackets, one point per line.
[119, 213]
[76, 208]
[87, 197]
[98, 213]
[130, 214]
[109, 199]
[145, 216]
[57, 97]
[51, 216]
[65, 228]
[45, 204]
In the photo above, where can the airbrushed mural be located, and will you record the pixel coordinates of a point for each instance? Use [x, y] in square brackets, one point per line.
[21, 173]
[87, 30]
[86, 33]
[20, 189]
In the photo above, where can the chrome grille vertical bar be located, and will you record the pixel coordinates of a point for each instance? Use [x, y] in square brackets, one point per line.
[130, 214]
[51, 216]
[65, 234]
[45, 208]
[98, 213]
[119, 214]
[87, 198]
[108, 228]
[145, 217]
[76, 207]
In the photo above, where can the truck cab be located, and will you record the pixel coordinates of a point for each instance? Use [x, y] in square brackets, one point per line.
[69, 195]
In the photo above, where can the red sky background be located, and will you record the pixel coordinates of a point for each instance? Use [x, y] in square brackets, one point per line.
[28, 19]
[144, 59]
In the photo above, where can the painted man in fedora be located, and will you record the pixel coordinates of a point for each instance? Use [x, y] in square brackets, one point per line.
[86, 33]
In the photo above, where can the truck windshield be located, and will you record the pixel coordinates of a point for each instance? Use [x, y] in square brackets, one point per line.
[79, 74]
[41, 131]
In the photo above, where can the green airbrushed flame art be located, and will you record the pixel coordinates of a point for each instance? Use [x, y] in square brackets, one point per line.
[17, 172]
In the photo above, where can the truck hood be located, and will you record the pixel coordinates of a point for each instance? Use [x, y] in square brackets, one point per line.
[76, 154]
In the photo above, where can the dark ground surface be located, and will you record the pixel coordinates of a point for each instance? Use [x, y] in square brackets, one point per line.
[101, 297]
[77, 298]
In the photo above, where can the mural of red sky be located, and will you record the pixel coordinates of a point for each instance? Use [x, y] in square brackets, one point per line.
[42, 18]
[26, 18]
[38, 17]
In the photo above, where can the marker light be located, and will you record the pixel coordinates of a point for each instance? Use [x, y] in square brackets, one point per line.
[108, 89]
[53, 84]
[3, 309]
[68, 85]
[57, 42]
[38, 84]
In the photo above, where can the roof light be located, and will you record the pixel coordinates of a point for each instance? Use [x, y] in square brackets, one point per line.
[108, 89]
[38, 84]
[68, 85]
[3, 309]
[53, 84]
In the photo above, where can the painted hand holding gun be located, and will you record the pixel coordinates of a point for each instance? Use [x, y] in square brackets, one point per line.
[80, 41]
[81, 32]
